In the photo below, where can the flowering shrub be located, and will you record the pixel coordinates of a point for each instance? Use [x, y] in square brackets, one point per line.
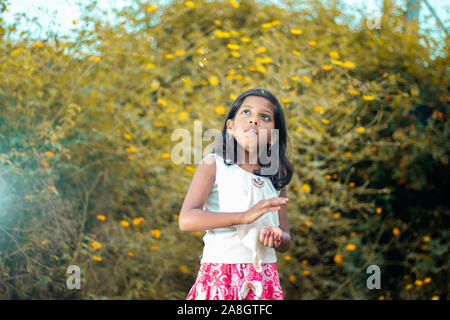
[86, 139]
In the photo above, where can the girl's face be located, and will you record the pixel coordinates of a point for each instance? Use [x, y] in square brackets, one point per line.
[255, 116]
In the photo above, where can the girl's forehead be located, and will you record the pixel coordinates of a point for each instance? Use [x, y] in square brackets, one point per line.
[258, 102]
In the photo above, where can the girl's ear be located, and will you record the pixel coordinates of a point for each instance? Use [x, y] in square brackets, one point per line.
[229, 124]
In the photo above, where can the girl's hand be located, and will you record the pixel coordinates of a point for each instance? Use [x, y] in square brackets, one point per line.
[262, 207]
[271, 237]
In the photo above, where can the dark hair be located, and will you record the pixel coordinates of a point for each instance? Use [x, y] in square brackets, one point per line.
[285, 169]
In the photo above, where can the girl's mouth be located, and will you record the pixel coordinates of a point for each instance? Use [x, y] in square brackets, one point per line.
[251, 131]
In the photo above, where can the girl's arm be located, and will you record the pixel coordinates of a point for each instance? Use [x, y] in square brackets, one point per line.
[282, 217]
[192, 216]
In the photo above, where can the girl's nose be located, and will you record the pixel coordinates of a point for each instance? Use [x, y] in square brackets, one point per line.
[253, 122]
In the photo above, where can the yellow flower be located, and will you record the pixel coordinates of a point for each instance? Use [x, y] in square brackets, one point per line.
[325, 121]
[154, 248]
[379, 210]
[191, 169]
[408, 286]
[217, 22]
[360, 129]
[435, 298]
[183, 269]
[101, 217]
[127, 136]
[418, 282]
[381, 298]
[306, 272]
[169, 56]
[95, 59]
[336, 62]
[171, 110]
[235, 54]
[275, 22]
[427, 280]
[261, 49]
[125, 223]
[137, 221]
[308, 223]
[183, 115]
[348, 64]
[245, 39]
[130, 254]
[213, 80]
[220, 109]
[96, 245]
[299, 129]
[286, 100]
[287, 258]
[304, 262]
[306, 188]
[426, 238]
[162, 102]
[353, 91]
[149, 65]
[263, 60]
[233, 46]
[180, 52]
[38, 44]
[348, 154]
[131, 150]
[189, 4]
[261, 69]
[395, 231]
[49, 154]
[312, 43]
[350, 247]
[297, 53]
[266, 25]
[327, 67]
[151, 8]
[235, 3]
[333, 54]
[307, 79]
[97, 258]
[296, 31]
[291, 278]
[337, 258]
[156, 233]
[319, 109]
[336, 215]
[368, 98]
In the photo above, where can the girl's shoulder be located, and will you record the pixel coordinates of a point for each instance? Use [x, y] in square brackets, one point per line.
[208, 165]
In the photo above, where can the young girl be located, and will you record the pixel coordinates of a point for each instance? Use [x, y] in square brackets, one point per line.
[242, 203]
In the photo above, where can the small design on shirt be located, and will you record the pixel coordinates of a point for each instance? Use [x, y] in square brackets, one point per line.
[257, 182]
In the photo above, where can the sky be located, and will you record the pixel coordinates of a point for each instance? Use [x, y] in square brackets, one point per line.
[57, 15]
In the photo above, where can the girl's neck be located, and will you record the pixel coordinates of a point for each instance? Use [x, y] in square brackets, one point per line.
[248, 163]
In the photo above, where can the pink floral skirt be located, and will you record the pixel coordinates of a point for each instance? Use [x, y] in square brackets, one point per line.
[223, 281]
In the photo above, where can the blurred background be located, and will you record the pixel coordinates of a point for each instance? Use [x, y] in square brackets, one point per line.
[91, 93]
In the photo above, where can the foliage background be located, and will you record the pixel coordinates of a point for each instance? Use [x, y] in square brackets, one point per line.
[86, 124]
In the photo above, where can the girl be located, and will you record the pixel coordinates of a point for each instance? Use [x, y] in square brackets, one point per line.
[242, 203]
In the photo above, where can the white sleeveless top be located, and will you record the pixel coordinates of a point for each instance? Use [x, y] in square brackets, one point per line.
[234, 191]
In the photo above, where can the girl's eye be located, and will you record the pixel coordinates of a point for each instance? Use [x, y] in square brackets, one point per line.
[245, 110]
[267, 117]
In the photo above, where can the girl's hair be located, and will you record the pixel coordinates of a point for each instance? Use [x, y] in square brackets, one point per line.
[285, 169]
